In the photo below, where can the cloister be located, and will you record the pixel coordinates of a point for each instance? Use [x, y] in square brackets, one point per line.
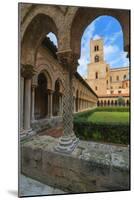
[49, 83]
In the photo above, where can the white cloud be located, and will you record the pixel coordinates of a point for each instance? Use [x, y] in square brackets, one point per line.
[110, 49]
[96, 37]
[53, 38]
[110, 39]
[115, 57]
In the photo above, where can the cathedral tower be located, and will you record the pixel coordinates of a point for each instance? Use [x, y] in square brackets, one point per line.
[98, 70]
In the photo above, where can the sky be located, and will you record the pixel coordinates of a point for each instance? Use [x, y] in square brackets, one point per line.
[109, 29]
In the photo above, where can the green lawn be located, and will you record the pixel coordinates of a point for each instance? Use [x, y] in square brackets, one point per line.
[106, 117]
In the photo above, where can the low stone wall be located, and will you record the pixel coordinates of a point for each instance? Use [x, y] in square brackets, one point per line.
[91, 167]
[44, 124]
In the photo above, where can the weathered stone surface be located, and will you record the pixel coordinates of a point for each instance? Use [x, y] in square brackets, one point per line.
[91, 167]
[30, 187]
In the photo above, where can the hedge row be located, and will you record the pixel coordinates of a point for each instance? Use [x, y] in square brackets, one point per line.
[111, 133]
[105, 132]
[101, 109]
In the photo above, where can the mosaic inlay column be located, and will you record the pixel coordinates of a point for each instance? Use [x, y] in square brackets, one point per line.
[68, 141]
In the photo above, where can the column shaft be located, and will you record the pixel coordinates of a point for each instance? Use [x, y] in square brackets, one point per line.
[21, 102]
[33, 102]
[27, 104]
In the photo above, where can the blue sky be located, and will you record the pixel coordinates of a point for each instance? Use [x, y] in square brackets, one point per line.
[109, 29]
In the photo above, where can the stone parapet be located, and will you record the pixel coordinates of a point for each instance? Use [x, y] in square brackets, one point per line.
[92, 167]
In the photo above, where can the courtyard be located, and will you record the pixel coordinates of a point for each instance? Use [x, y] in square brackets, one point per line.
[74, 109]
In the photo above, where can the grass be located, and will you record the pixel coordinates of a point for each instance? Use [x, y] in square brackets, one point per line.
[107, 117]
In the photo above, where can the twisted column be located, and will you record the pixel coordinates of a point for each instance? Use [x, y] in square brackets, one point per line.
[68, 141]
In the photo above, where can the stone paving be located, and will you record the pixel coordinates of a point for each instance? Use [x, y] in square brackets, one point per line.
[31, 187]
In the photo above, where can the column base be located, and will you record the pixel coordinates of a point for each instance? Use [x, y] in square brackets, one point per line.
[27, 133]
[66, 145]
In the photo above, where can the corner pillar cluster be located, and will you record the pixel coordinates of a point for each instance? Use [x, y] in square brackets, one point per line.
[68, 141]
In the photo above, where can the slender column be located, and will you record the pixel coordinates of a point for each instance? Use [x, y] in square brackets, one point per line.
[27, 104]
[33, 101]
[68, 141]
[50, 103]
[74, 104]
[60, 104]
[27, 72]
[21, 102]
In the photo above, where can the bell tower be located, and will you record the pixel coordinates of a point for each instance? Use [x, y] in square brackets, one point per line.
[96, 51]
[98, 69]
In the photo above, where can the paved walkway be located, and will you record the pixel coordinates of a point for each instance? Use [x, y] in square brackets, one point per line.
[31, 187]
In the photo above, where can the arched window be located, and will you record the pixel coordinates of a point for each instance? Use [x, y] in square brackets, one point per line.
[96, 59]
[96, 48]
[124, 77]
[117, 78]
[96, 75]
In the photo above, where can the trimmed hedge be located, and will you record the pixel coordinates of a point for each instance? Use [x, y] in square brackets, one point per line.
[112, 133]
[102, 132]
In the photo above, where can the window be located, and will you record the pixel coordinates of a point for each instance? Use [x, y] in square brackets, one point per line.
[119, 92]
[124, 77]
[96, 58]
[111, 87]
[110, 78]
[112, 92]
[96, 75]
[106, 69]
[96, 48]
[107, 82]
[96, 88]
[117, 78]
[126, 84]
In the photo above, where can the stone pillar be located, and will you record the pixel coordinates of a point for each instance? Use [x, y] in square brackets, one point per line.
[50, 103]
[33, 101]
[74, 106]
[27, 109]
[60, 104]
[68, 141]
[21, 102]
[27, 72]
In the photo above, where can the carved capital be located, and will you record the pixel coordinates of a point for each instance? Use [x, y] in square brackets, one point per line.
[27, 71]
[68, 60]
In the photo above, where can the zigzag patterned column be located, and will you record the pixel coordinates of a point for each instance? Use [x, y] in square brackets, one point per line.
[68, 141]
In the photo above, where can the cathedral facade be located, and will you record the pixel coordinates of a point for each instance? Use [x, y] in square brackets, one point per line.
[110, 84]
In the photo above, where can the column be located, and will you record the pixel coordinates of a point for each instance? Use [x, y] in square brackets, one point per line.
[21, 102]
[68, 141]
[60, 104]
[33, 101]
[27, 109]
[27, 72]
[74, 104]
[50, 103]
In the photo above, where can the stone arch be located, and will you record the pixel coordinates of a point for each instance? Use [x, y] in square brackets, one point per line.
[101, 103]
[34, 34]
[47, 71]
[57, 96]
[84, 16]
[108, 102]
[41, 96]
[112, 103]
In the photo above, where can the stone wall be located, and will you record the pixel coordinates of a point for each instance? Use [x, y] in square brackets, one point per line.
[91, 167]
